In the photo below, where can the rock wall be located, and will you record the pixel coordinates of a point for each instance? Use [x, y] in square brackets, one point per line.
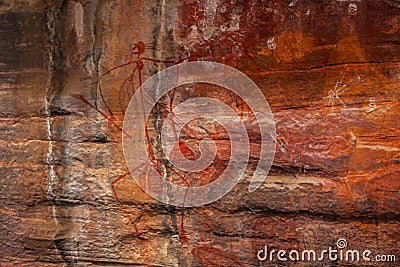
[329, 70]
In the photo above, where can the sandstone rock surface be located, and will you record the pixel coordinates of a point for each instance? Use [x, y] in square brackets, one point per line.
[330, 71]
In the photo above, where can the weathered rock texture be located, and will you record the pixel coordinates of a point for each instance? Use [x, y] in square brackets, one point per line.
[329, 70]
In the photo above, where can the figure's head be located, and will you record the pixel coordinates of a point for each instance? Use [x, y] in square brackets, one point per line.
[140, 46]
